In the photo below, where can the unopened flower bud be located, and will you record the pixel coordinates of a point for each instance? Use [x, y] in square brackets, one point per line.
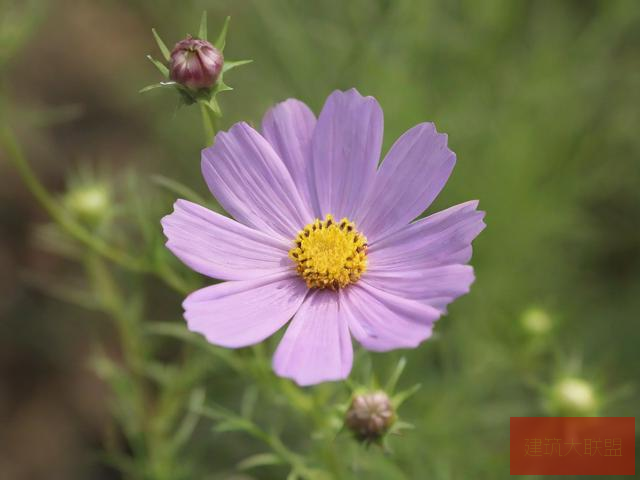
[536, 321]
[195, 63]
[573, 397]
[89, 202]
[370, 415]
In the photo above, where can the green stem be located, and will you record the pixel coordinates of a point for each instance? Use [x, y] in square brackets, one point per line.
[45, 199]
[73, 228]
[210, 123]
[127, 324]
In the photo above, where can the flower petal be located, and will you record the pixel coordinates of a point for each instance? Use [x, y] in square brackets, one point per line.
[381, 321]
[437, 286]
[316, 346]
[237, 314]
[440, 239]
[251, 182]
[345, 152]
[288, 127]
[423, 261]
[220, 247]
[409, 179]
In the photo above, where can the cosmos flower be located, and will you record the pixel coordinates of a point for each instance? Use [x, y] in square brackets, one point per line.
[323, 237]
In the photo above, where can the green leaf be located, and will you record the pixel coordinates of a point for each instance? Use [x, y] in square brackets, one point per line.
[178, 331]
[161, 373]
[160, 66]
[212, 412]
[61, 290]
[196, 399]
[174, 330]
[202, 31]
[293, 475]
[249, 400]
[222, 38]
[233, 425]
[260, 460]
[163, 48]
[177, 188]
[230, 65]
[190, 420]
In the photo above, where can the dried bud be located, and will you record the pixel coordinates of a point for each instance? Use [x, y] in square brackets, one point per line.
[195, 63]
[370, 415]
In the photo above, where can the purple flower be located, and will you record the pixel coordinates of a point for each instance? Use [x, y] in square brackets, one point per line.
[324, 236]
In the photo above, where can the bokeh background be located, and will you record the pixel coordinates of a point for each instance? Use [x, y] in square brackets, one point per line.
[540, 100]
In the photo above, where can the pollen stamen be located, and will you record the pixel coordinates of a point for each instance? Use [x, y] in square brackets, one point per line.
[329, 254]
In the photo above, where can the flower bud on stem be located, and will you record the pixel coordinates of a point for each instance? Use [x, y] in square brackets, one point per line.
[370, 416]
[195, 63]
[195, 70]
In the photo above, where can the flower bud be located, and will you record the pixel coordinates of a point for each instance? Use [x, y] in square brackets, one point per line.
[370, 415]
[195, 63]
[89, 202]
[536, 321]
[573, 396]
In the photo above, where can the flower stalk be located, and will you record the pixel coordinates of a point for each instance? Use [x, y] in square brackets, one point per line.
[57, 213]
[72, 226]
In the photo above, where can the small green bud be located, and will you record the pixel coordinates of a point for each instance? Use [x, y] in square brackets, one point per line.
[536, 321]
[573, 396]
[89, 203]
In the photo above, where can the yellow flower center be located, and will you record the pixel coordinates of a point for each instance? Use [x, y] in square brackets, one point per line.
[328, 254]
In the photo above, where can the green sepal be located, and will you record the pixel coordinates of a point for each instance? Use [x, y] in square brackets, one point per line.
[395, 376]
[187, 97]
[160, 66]
[230, 65]
[161, 45]
[221, 87]
[222, 38]
[202, 31]
[157, 85]
[400, 397]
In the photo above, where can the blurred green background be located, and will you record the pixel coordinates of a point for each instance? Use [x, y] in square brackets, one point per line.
[540, 100]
